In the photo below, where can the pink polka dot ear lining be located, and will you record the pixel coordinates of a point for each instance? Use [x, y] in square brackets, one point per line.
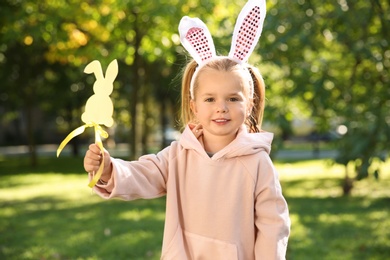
[247, 34]
[197, 40]
[247, 30]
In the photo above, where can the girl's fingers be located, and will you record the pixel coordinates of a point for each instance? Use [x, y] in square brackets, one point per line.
[92, 158]
[94, 148]
[197, 130]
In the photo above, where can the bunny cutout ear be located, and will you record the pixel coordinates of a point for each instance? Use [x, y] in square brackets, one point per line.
[196, 39]
[247, 30]
[112, 71]
[96, 68]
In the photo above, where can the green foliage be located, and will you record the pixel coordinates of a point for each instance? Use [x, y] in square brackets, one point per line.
[330, 62]
[323, 61]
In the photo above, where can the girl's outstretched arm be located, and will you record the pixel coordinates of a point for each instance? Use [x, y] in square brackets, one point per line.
[93, 159]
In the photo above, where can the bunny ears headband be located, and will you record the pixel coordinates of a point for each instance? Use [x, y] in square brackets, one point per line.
[196, 38]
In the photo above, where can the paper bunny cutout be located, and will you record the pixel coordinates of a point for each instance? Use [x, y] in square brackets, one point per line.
[99, 107]
[98, 110]
[197, 40]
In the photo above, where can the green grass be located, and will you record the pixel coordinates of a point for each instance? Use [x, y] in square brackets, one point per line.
[50, 213]
[327, 225]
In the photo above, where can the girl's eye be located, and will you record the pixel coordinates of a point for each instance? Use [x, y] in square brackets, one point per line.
[233, 99]
[209, 100]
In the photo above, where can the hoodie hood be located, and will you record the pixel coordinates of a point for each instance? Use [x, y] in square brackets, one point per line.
[244, 144]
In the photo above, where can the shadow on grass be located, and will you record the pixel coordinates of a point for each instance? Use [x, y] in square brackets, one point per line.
[51, 228]
[21, 165]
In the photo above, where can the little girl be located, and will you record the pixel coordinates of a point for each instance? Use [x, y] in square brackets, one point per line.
[224, 200]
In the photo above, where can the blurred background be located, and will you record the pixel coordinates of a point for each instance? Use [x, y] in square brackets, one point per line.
[326, 65]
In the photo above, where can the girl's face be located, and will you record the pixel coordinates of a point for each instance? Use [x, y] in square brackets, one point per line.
[221, 105]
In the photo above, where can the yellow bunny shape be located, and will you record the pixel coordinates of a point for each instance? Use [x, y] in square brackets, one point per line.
[99, 107]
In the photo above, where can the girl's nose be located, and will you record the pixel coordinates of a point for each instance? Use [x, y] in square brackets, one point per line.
[222, 107]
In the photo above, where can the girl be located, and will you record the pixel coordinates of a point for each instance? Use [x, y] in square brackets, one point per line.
[224, 200]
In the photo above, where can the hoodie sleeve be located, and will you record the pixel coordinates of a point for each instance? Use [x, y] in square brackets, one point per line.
[272, 219]
[130, 180]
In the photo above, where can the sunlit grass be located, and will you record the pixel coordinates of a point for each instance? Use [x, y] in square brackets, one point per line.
[327, 225]
[50, 213]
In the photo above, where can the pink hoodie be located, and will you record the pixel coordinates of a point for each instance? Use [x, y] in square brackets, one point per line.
[229, 206]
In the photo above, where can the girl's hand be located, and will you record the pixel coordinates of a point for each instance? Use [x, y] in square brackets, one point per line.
[93, 159]
[196, 129]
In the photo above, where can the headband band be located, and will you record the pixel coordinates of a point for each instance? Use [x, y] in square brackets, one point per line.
[196, 38]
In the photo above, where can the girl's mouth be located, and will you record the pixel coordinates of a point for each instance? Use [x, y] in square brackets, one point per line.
[221, 120]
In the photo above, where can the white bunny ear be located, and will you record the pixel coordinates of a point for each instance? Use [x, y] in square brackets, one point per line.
[112, 71]
[94, 67]
[196, 39]
[247, 30]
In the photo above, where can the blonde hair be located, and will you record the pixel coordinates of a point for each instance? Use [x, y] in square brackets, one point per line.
[255, 118]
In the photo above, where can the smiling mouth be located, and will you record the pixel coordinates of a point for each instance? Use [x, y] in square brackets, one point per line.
[221, 120]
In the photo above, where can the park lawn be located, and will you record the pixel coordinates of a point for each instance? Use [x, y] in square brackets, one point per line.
[327, 225]
[50, 213]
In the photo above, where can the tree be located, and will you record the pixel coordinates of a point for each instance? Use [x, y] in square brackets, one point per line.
[322, 60]
[24, 69]
[139, 34]
[333, 60]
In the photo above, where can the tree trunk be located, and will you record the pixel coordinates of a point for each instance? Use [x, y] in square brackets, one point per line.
[146, 116]
[347, 183]
[164, 124]
[134, 91]
[30, 135]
